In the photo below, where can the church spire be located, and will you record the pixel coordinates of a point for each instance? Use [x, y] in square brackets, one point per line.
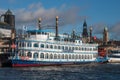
[85, 33]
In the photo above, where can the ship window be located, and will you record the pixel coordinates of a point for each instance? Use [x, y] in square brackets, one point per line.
[77, 57]
[47, 46]
[66, 48]
[51, 56]
[76, 48]
[46, 56]
[42, 55]
[85, 56]
[35, 55]
[58, 47]
[90, 56]
[58, 56]
[29, 54]
[22, 53]
[42, 45]
[62, 56]
[36, 45]
[19, 44]
[51, 46]
[82, 49]
[29, 45]
[69, 56]
[72, 48]
[55, 47]
[79, 48]
[66, 56]
[73, 56]
[95, 55]
[82, 56]
[90, 49]
[55, 56]
[22, 44]
[63, 47]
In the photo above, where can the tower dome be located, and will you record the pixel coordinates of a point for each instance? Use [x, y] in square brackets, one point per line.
[105, 28]
[8, 12]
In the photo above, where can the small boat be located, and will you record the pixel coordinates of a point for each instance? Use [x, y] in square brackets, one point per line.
[114, 56]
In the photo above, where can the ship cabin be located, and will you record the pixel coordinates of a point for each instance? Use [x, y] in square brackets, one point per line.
[40, 43]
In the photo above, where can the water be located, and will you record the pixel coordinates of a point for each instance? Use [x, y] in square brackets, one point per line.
[81, 72]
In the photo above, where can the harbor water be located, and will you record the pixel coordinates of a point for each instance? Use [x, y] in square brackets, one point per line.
[76, 72]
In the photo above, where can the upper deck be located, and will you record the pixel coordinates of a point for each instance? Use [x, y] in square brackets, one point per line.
[48, 37]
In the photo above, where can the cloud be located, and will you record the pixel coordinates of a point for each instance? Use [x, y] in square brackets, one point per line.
[98, 28]
[115, 31]
[12, 1]
[29, 15]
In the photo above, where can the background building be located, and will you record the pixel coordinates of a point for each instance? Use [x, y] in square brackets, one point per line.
[7, 31]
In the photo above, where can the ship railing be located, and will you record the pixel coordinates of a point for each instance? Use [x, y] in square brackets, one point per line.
[63, 42]
[71, 43]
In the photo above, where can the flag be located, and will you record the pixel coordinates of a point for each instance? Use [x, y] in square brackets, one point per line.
[95, 37]
[13, 46]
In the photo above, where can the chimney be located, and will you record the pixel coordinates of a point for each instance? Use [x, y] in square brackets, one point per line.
[39, 23]
[56, 26]
[90, 34]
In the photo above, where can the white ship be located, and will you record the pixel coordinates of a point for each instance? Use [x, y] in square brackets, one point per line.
[41, 48]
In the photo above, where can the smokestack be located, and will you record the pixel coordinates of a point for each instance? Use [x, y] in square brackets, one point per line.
[56, 26]
[39, 23]
[90, 34]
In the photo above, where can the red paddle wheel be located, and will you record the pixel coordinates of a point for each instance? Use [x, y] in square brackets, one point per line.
[102, 52]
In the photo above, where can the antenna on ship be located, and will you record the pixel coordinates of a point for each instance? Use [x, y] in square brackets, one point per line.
[39, 23]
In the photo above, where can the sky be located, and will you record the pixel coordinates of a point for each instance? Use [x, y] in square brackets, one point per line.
[72, 13]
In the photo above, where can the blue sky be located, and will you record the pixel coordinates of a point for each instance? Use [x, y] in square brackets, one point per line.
[72, 13]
